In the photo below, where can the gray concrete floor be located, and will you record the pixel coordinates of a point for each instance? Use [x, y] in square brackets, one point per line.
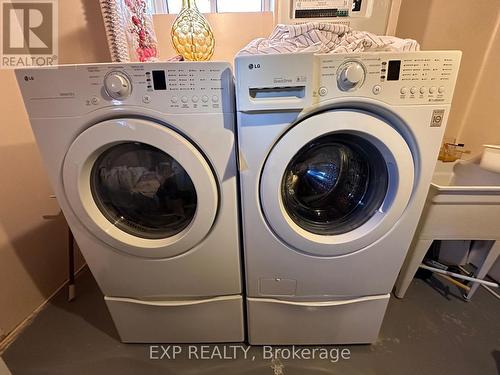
[431, 331]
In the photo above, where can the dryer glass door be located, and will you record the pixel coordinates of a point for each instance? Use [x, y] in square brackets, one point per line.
[143, 190]
[141, 187]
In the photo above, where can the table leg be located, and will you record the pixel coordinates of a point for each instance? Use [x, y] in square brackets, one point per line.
[413, 260]
[482, 270]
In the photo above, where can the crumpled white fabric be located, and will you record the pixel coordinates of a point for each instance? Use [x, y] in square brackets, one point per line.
[132, 179]
[317, 37]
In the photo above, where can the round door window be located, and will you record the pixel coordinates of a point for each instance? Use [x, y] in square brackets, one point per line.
[334, 184]
[143, 190]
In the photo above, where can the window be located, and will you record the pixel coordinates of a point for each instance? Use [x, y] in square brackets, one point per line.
[214, 6]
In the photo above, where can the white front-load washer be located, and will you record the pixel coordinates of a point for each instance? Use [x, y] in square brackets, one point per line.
[336, 157]
[142, 160]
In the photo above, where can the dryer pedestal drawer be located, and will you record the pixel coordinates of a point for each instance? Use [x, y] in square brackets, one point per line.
[218, 319]
[277, 322]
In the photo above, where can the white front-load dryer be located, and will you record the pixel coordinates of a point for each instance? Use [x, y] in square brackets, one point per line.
[142, 160]
[336, 156]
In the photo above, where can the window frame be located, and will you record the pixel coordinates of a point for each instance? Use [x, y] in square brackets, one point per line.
[161, 7]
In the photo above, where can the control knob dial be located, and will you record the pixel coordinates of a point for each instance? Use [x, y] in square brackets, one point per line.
[350, 76]
[117, 85]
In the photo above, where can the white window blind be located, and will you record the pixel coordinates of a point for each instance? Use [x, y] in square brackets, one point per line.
[214, 6]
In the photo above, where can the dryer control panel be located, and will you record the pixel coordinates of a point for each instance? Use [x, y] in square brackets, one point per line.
[177, 87]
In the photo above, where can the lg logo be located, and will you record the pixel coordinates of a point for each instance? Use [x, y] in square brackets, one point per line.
[254, 66]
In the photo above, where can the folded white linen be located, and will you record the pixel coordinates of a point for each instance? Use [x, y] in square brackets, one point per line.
[317, 37]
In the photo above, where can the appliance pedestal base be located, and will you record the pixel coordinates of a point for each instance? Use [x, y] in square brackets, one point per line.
[218, 319]
[278, 322]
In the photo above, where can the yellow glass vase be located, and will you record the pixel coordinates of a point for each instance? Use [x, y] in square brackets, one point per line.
[192, 36]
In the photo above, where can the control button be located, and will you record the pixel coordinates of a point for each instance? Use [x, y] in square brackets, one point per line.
[146, 99]
[94, 100]
[184, 99]
[195, 99]
[322, 91]
[204, 98]
[403, 90]
[215, 99]
[441, 89]
[423, 90]
[413, 90]
[377, 89]
[174, 99]
[432, 90]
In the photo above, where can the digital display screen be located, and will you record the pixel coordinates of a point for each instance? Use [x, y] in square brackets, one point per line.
[159, 81]
[356, 5]
[393, 70]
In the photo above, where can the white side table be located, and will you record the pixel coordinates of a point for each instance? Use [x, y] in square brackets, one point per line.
[457, 210]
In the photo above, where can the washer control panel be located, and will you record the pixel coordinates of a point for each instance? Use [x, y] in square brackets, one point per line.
[177, 87]
[300, 80]
[396, 78]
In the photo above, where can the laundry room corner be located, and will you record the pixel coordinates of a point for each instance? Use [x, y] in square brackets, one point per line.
[33, 232]
[477, 34]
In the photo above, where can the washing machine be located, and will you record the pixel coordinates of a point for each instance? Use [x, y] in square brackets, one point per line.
[142, 161]
[336, 154]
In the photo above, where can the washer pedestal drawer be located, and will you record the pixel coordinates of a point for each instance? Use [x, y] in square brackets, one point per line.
[218, 319]
[278, 322]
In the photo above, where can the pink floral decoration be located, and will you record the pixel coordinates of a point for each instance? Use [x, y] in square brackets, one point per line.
[146, 45]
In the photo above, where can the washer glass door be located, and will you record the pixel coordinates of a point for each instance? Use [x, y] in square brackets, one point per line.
[336, 182]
